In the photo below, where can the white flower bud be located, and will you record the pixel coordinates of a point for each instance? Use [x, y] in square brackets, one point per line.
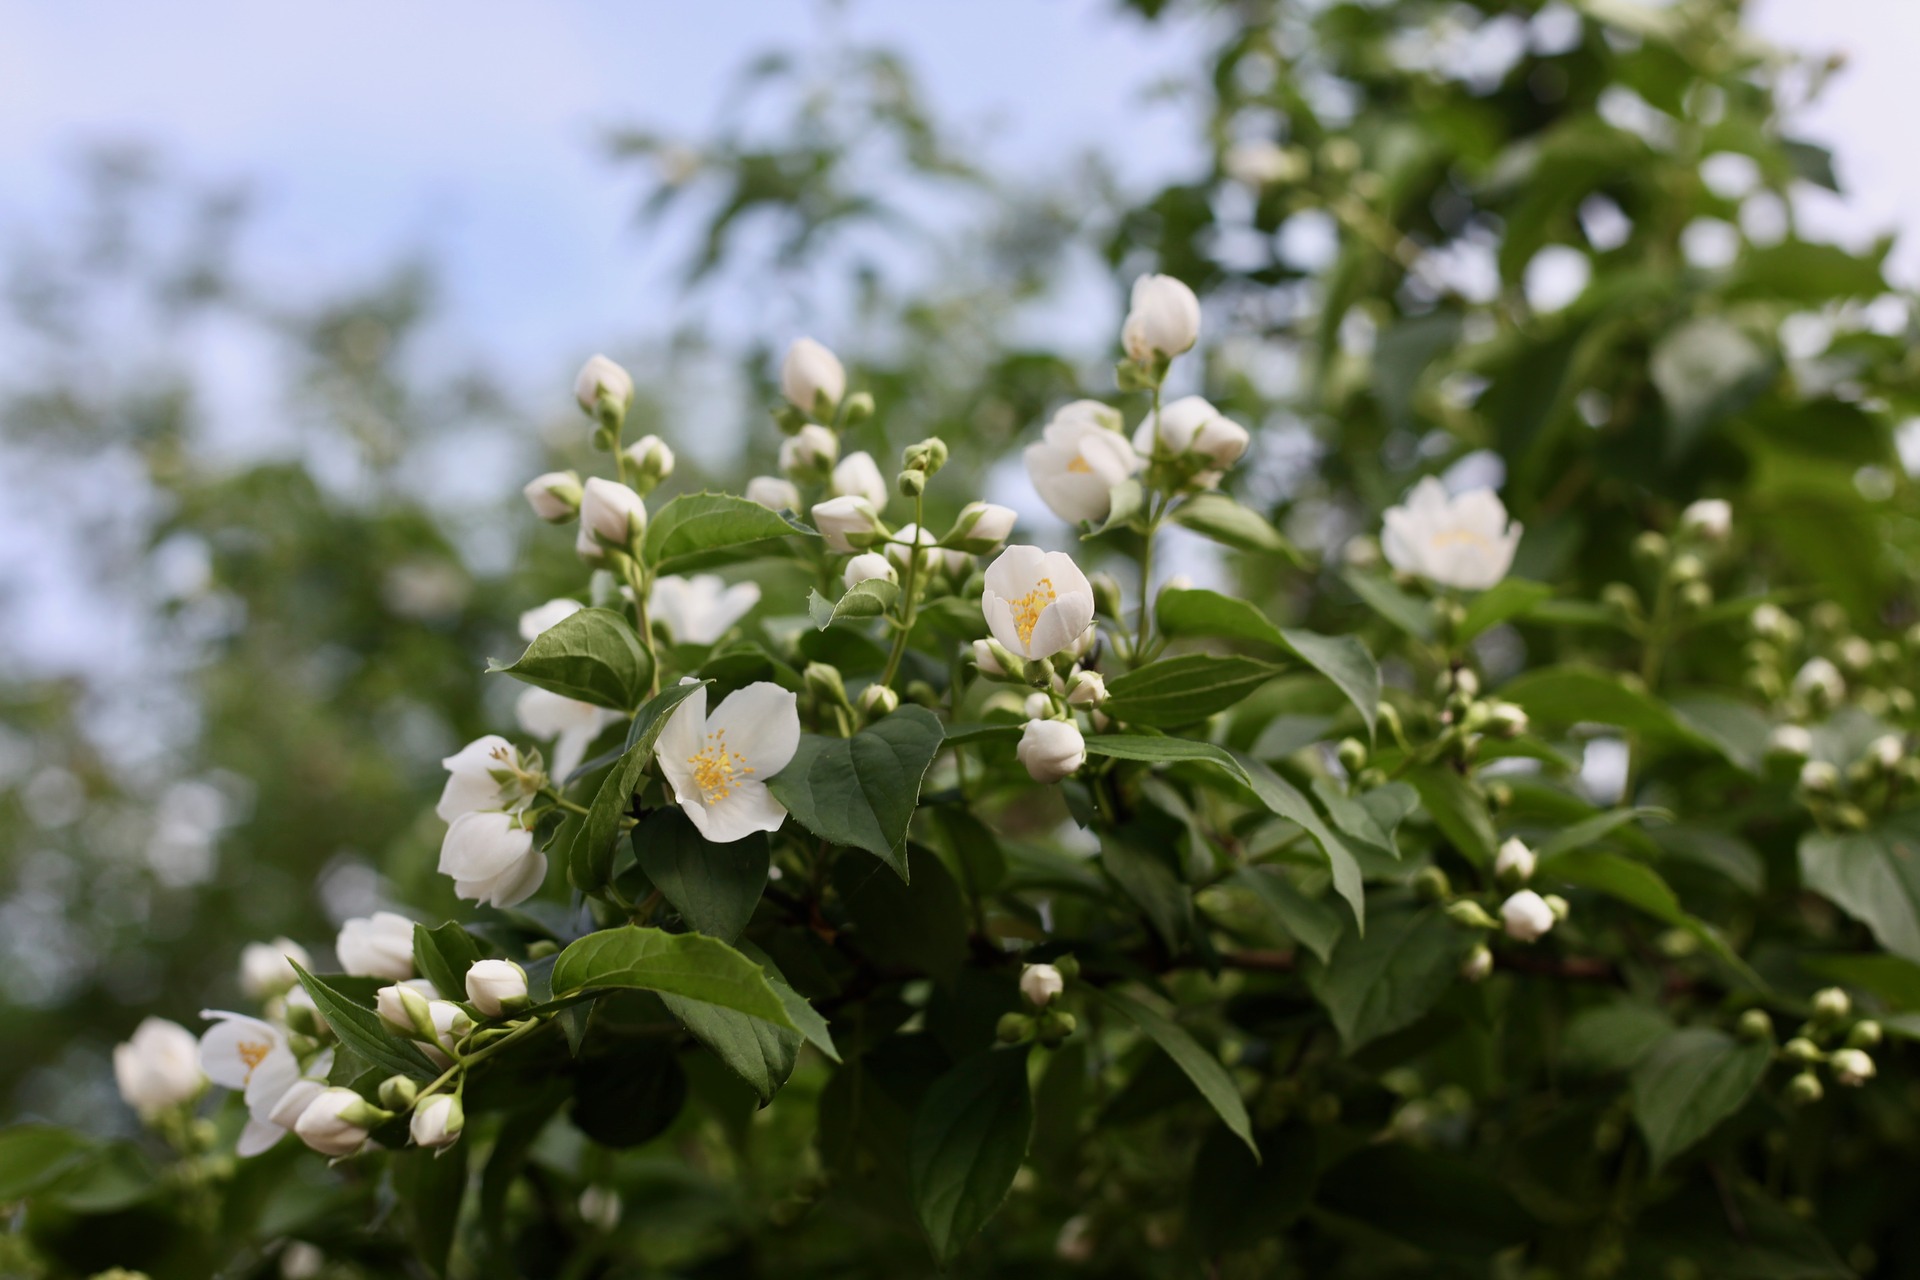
[1710, 519]
[286, 1110]
[1478, 964]
[774, 493]
[332, 1122]
[651, 458]
[1515, 862]
[985, 660]
[1051, 749]
[1041, 984]
[1853, 1067]
[1086, 689]
[1037, 706]
[615, 515]
[812, 378]
[913, 537]
[866, 567]
[377, 946]
[496, 987]
[437, 1122]
[1790, 740]
[1526, 916]
[1819, 777]
[1820, 679]
[983, 526]
[840, 520]
[492, 859]
[587, 547]
[598, 379]
[1163, 320]
[878, 700]
[159, 1067]
[554, 496]
[392, 1004]
[809, 453]
[1887, 751]
[858, 474]
[1261, 162]
[264, 970]
[1192, 425]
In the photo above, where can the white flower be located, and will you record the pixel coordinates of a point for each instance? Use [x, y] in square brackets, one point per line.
[983, 526]
[773, 493]
[651, 457]
[159, 1067]
[542, 617]
[1163, 320]
[1036, 602]
[614, 514]
[1515, 861]
[570, 724]
[1821, 679]
[1080, 458]
[811, 377]
[252, 1057]
[496, 986]
[554, 496]
[492, 859]
[601, 377]
[391, 1004]
[700, 609]
[718, 765]
[1464, 542]
[1819, 777]
[1790, 740]
[1192, 425]
[264, 970]
[1261, 162]
[1041, 984]
[1852, 1067]
[1526, 916]
[378, 946]
[330, 1123]
[866, 567]
[858, 474]
[906, 539]
[839, 520]
[437, 1121]
[1770, 621]
[809, 452]
[484, 774]
[1886, 751]
[1051, 749]
[1710, 518]
[1477, 966]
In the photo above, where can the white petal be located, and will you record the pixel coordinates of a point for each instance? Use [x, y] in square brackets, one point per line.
[277, 1073]
[680, 741]
[762, 724]
[999, 616]
[231, 1047]
[545, 714]
[257, 1137]
[750, 807]
[1016, 571]
[521, 883]
[480, 846]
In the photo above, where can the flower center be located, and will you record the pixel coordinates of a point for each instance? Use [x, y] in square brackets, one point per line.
[1080, 466]
[1028, 608]
[1446, 538]
[253, 1053]
[715, 768]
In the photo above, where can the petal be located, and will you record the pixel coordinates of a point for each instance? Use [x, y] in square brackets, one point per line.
[1060, 624]
[1059, 568]
[1482, 512]
[680, 741]
[278, 1072]
[570, 748]
[1429, 500]
[257, 1137]
[735, 603]
[482, 845]
[762, 724]
[227, 1046]
[523, 882]
[750, 807]
[999, 616]
[1015, 571]
[1400, 543]
[544, 714]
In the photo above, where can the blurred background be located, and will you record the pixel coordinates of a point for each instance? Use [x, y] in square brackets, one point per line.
[293, 297]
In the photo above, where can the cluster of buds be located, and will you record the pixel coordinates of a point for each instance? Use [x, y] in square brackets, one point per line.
[1832, 1038]
[1041, 986]
[1522, 914]
[1029, 645]
[1841, 798]
[1812, 670]
[1466, 717]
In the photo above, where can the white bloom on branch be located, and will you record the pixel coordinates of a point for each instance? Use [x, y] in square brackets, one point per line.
[333, 1123]
[809, 452]
[812, 378]
[1465, 541]
[867, 567]
[496, 986]
[842, 519]
[376, 946]
[983, 526]
[908, 540]
[1036, 602]
[543, 617]
[773, 493]
[1051, 749]
[1515, 861]
[1041, 984]
[570, 724]
[651, 457]
[264, 970]
[277, 1122]
[717, 766]
[1821, 679]
[485, 774]
[391, 1004]
[1526, 916]
[601, 378]
[1709, 518]
[492, 859]
[700, 609]
[1163, 319]
[554, 496]
[159, 1067]
[859, 475]
[251, 1057]
[437, 1121]
[1080, 458]
[614, 514]
[1791, 740]
[1192, 425]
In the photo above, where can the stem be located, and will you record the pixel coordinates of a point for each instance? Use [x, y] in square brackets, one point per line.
[563, 802]
[910, 601]
[1146, 553]
[636, 575]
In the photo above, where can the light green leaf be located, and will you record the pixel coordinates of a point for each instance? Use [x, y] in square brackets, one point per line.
[33, 1155]
[1688, 1083]
[1409, 613]
[1154, 750]
[593, 656]
[693, 526]
[861, 791]
[681, 964]
[714, 887]
[1508, 599]
[590, 859]
[1183, 690]
[968, 1140]
[1283, 798]
[1199, 1066]
[1345, 661]
[1220, 518]
[868, 599]
[1389, 978]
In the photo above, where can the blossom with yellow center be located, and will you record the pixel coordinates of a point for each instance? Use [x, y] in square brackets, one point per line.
[1080, 459]
[717, 766]
[1037, 603]
[1465, 541]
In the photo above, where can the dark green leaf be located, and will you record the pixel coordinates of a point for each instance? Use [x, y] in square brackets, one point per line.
[758, 1052]
[682, 964]
[1234, 1200]
[33, 1155]
[1688, 1083]
[361, 1030]
[1308, 921]
[1592, 831]
[1183, 690]
[592, 655]
[714, 887]
[590, 858]
[443, 956]
[1155, 750]
[1412, 615]
[627, 1098]
[1613, 1036]
[1458, 808]
[1283, 798]
[431, 1185]
[969, 1138]
[861, 791]
[1432, 1201]
[920, 924]
[1872, 875]
[1199, 1066]
[1391, 977]
[694, 525]
[1346, 662]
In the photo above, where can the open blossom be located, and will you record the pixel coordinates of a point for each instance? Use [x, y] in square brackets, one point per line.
[1526, 916]
[378, 946]
[545, 616]
[774, 493]
[570, 724]
[614, 514]
[700, 609]
[858, 474]
[1465, 541]
[717, 766]
[554, 496]
[492, 859]
[158, 1067]
[484, 774]
[1051, 749]
[812, 378]
[601, 378]
[842, 519]
[1192, 425]
[1080, 458]
[1163, 319]
[264, 970]
[251, 1057]
[1036, 602]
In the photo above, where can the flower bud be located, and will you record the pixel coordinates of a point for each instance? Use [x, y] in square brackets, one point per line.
[437, 1122]
[1820, 682]
[651, 461]
[1526, 916]
[1505, 720]
[1107, 598]
[615, 515]
[809, 453]
[1651, 548]
[1352, 754]
[1800, 1049]
[603, 389]
[1051, 750]
[773, 493]
[1851, 1067]
[554, 496]
[264, 967]
[1804, 1089]
[1886, 751]
[1695, 596]
[1163, 320]
[397, 1093]
[1470, 914]
[988, 658]
[1038, 706]
[1621, 598]
[1819, 778]
[1054, 1026]
[391, 1006]
[1013, 1028]
[812, 378]
[878, 700]
[337, 1121]
[1086, 689]
[1515, 862]
[1755, 1026]
[858, 475]
[1478, 964]
[1041, 984]
[982, 527]
[159, 1067]
[303, 1015]
[1831, 1004]
[377, 946]
[859, 408]
[866, 567]
[1687, 567]
[1430, 884]
[1864, 1035]
[848, 523]
[1561, 907]
[1791, 741]
[929, 456]
[1709, 519]
[497, 987]
[911, 483]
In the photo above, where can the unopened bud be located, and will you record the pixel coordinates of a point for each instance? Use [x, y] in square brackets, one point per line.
[1831, 1004]
[1621, 598]
[1696, 597]
[1041, 984]
[1650, 547]
[1514, 863]
[1851, 1067]
[1478, 964]
[824, 682]
[878, 700]
[1864, 1035]
[1086, 689]
[1352, 754]
[398, 1092]
[929, 456]
[649, 462]
[911, 484]
[1804, 1089]
[1755, 1026]
[859, 408]
[1054, 1026]
[437, 1122]
[1107, 600]
[1505, 720]
[1819, 778]
[1431, 885]
[1467, 912]
[1013, 1028]
[1687, 568]
[1800, 1049]
[555, 496]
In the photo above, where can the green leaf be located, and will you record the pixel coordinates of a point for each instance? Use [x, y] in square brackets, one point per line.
[1345, 661]
[590, 858]
[443, 956]
[1569, 694]
[1283, 798]
[1613, 1036]
[361, 1030]
[918, 923]
[430, 1187]
[33, 1155]
[1432, 1201]
[1183, 690]
[681, 964]
[1641, 886]
[1151, 882]
[629, 1093]
[969, 1138]
[1199, 1066]
[1688, 1083]
[1872, 875]
[1155, 750]
[1458, 808]
[868, 599]
[1127, 500]
[1412, 615]
[1308, 921]
[1235, 1200]
[1592, 831]
[1893, 979]
[593, 656]
[1216, 516]
[714, 887]
[695, 525]
[1736, 730]
[1510, 598]
[1390, 977]
[861, 791]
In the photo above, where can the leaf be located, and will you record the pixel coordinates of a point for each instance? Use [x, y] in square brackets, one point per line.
[1641, 886]
[1458, 808]
[1146, 877]
[1688, 1083]
[861, 791]
[361, 1030]
[1220, 518]
[918, 924]
[714, 887]
[1308, 921]
[1234, 1200]
[593, 656]
[1591, 831]
[868, 599]
[628, 1097]
[969, 1138]
[682, 964]
[443, 956]
[1389, 978]
[1199, 1066]
[1569, 694]
[1183, 690]
[1614, 1036]
[1510, 598]
[694, 525]
[1156, 750]
[1432, 1201]
[33, 1155]
[1705, 370]
[759, 1053]
[1126, 501]
[1411, 615]
[590, 859]
[1345, 661]
[1872, 875]
[1283, 798]
[1342, 659]
[430, 1187]
[1891, 978]
[1736, 730]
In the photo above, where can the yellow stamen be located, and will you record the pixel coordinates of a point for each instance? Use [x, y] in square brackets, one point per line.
[1079, 466]
[1028, 608]
[715, 768]
[1454, 537]
[253, 1053]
